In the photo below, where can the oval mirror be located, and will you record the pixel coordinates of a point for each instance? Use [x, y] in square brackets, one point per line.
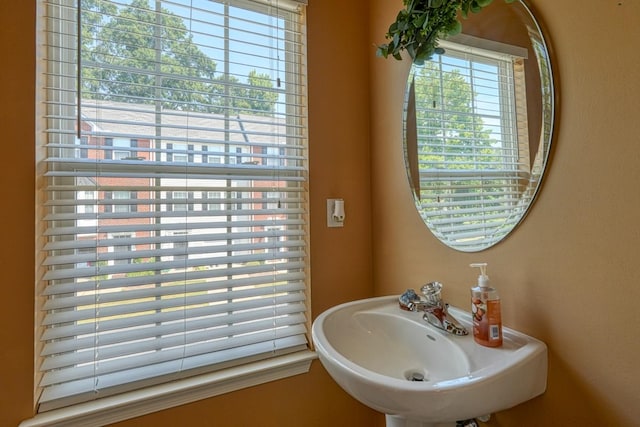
[478, 127]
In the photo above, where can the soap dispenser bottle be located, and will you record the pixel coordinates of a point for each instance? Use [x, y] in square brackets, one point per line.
[485, 309]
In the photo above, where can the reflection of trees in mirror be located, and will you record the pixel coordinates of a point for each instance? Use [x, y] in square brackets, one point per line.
[118, 44]
[448, 129]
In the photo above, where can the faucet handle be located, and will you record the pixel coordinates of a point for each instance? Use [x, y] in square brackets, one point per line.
[431, 292]
[408, 300]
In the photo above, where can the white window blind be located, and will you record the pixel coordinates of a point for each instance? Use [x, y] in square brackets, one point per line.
[174, 191]
[473, 149]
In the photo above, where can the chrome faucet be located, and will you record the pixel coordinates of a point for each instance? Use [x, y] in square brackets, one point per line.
[435, 310]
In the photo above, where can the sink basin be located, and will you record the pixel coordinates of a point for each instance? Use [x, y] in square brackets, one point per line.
[378, 354]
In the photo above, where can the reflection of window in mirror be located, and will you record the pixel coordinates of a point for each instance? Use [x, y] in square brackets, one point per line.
[492, 95]
[473, 140]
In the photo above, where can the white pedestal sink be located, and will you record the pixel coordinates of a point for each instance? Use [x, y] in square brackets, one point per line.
[373, 350]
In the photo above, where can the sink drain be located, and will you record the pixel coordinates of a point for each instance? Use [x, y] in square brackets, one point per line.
[415, 375]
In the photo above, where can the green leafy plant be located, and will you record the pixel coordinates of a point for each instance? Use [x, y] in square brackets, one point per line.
[421, 23]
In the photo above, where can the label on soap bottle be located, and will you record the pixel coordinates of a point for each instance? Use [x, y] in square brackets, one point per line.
[487, 322]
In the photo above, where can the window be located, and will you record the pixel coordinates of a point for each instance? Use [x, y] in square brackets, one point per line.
[177, 153]
[123, 201]
[179, 201]
[274, 156]
[211, 202]
[86, 211]
[122, 148]
[121, 248]
[213, 159]
[160, 265]
[473, 145]
[83, 151]
[180, 251]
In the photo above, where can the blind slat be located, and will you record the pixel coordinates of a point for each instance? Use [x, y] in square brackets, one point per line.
[173, 250]
[172, 353]
[204, 237]
[159, 338]
[286, 294]
[176, 325]
[217, 274]
[71, 392]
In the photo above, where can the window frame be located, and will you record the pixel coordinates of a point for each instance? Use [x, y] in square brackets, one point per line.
[137, 402]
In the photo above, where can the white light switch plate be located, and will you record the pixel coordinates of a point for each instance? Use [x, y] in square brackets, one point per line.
[331, 222]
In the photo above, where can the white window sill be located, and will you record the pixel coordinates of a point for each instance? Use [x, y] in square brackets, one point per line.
[140, 402]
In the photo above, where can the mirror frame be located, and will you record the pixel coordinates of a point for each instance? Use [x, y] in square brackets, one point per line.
[545, 135]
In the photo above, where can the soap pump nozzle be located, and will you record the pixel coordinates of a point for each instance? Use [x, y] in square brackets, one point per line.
[483, 279]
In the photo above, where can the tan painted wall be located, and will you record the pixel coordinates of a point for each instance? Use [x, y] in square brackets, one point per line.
[341, 258]
[570, 274]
